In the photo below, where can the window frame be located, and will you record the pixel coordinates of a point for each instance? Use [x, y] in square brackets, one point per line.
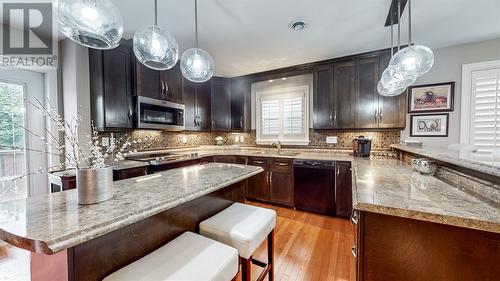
[466, 96]
[304, 140]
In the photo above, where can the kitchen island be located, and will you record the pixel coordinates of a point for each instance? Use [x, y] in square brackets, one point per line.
[88, 242]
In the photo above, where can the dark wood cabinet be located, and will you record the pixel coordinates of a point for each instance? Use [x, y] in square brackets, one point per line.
[221, 104]
[240, 105]
[258, 185]
[367, 76]
[129, 173]
[343, 189]
[323, 97]
[206, 160]
[344, 99]
[231, 159]
[281, 181]
[147, 81]
[111, 88]
[171, 82]
[196, 98]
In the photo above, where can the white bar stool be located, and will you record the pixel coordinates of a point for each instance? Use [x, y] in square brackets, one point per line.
[189, 257]
[244, 227]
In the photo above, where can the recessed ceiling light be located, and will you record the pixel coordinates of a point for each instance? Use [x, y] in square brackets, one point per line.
[284, 78]
[297, 25]
[271, 81]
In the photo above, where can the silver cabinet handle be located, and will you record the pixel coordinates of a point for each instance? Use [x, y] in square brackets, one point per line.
[335, 116]
[213, 124]
[354, 217]
[381, 115]
[331, 118]
[281, 164]
[353, 251]
[257, 162]
[241, 122]
[130, 113]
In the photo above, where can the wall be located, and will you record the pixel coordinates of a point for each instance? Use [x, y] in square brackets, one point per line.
[76, 86]
[448, 67]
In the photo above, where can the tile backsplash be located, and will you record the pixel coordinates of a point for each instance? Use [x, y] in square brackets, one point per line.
[381, 139]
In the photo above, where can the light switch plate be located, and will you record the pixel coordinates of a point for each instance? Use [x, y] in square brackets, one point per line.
[105, 141]
[331, 139]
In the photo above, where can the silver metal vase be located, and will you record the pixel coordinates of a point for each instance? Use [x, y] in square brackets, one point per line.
[94, 185]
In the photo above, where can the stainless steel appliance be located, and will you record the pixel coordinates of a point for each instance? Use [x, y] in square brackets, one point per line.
[159, 114]
[362, 146]
[314, 184]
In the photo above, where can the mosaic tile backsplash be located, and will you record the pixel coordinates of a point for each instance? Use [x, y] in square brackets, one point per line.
[381, 139]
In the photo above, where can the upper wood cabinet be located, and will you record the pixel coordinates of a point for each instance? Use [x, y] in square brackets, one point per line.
[111, 88]
[162, 85]
[196, 98]
[221, 104]
[240, 105]
[346, 97]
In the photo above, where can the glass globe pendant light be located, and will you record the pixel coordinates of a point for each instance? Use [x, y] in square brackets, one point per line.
[414, 59]
[155, 47]
[196, 64]
[95, 24]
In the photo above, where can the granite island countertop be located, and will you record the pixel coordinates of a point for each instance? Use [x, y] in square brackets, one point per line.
[53, 222]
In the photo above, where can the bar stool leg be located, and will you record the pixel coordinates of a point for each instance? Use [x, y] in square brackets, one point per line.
[246, 269]
[270, 254]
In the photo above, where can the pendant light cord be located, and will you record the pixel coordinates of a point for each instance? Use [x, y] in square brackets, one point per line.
[196, 21]
[409, 23]
[392, 31]
[156, 12]
[399, 24]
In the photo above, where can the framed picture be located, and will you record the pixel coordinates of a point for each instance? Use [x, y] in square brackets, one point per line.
[429, 125]
[431, 97]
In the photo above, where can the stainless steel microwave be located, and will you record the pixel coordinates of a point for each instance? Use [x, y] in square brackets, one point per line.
[159, 114]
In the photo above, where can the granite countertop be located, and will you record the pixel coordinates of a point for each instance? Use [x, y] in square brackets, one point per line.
[53, 222]
[455, 157]
[389, 186]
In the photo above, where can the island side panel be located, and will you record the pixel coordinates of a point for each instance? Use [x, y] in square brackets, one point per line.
[97, 258]
[395, 249]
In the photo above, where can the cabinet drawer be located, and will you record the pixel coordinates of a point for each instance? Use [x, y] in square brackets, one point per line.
[281, 165]
[259, 161]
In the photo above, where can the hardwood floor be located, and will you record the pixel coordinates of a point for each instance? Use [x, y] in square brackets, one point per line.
[309, 247]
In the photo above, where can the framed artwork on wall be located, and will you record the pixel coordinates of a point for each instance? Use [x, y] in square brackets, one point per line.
[431, 97]
[429, 125]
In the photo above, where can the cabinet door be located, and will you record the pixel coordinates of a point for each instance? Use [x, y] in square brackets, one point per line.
[111, 88]
[203, 105]
[189, 98]
[172, 80]
[343, 189]
[258, 185]
[230, 159]
[147, 81]
[392, 110]
[323, 97]
[344, 87]
[239, 105]
[366, 93]
[221, 104]
[281, 182]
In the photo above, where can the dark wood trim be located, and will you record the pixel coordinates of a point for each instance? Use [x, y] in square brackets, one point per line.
[452, 97]
[447, 125]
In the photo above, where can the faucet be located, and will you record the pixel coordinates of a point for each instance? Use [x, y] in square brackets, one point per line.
[278, 145]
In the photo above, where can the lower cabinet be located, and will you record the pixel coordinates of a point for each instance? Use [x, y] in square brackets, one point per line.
[129, 173]
[343, 189]
[275, 184]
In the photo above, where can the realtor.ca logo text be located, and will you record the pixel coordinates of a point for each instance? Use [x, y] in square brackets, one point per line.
[28, 35]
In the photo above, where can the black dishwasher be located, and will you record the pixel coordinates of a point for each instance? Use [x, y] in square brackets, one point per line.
[314, 182]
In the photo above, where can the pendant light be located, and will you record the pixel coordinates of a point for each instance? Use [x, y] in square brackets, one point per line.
[196, 64]
[415, 59]
[95, 24]
[155, 47]
[393, 82]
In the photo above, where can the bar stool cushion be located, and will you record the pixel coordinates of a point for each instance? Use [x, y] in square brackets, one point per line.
[189, 257]
[241, 226]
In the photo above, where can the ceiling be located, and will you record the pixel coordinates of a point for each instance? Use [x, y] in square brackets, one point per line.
[248, 36]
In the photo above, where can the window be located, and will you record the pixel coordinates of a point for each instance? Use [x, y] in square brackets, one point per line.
[481, 110]
[283, 114]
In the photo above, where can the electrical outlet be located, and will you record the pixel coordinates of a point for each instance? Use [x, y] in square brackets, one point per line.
[105, 141]
[184, 139]
[331, 139]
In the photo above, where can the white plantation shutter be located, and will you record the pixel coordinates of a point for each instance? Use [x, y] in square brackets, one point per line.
[283, 115]
[485, 113]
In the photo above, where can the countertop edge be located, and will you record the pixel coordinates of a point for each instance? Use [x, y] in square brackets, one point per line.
[54, 246]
